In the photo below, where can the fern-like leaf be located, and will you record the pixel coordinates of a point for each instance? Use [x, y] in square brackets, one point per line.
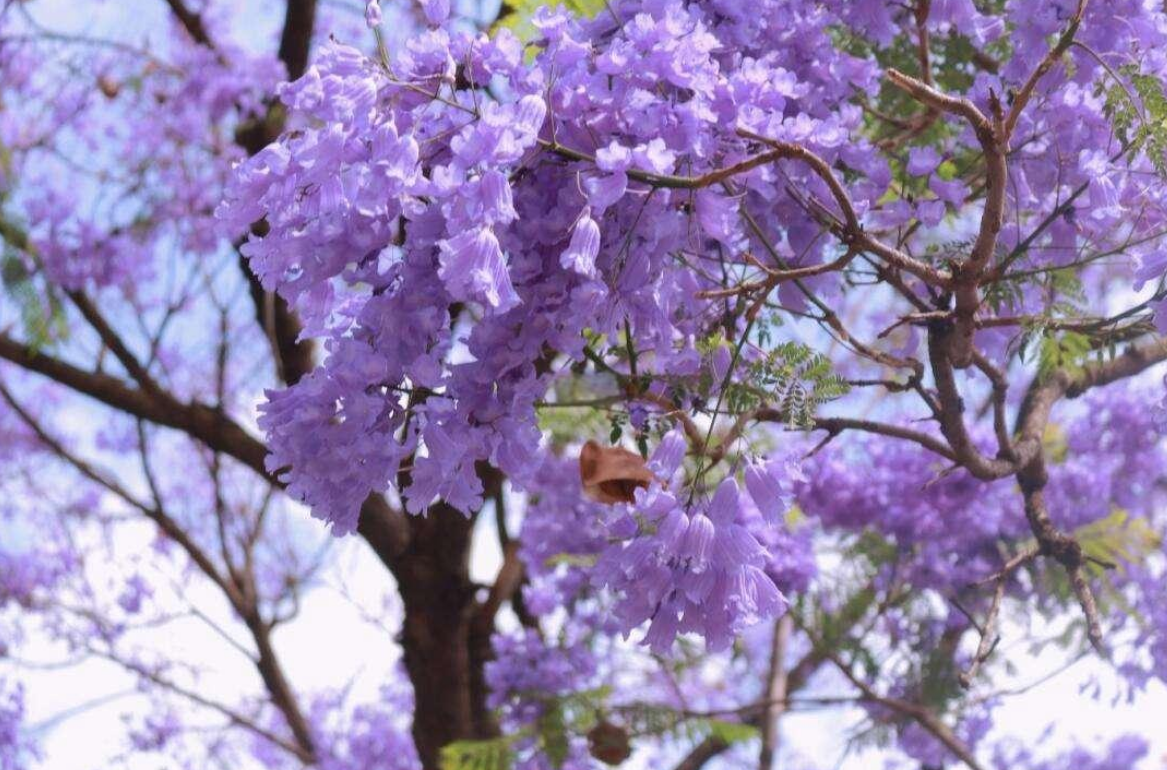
[491, 754]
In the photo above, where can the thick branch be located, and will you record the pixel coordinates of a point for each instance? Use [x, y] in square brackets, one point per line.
[380, 524]
[1032, 477]
[967, 275]
[1063, 548]
[1044, 393]
[296, 40]
[282, 695]
[952, 411]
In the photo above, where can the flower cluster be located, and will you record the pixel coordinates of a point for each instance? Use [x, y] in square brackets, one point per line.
[411, 190]
[548, 194]
[526, 671]
[687, 567]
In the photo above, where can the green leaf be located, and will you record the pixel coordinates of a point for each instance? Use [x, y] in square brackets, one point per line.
[793, 379]
[42, 313]
[647, 719]
[1137, 109]
[1066, 351]
[731, 732]
[1120, 539]
[516, 15]
[553, 737]
[617, 431]
[491, 754]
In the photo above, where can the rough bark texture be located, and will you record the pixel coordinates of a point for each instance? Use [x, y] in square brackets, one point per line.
[439, 598]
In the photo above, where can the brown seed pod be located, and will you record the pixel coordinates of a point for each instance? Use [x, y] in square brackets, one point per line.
[108, 86]
[611, 474]
[609, 743]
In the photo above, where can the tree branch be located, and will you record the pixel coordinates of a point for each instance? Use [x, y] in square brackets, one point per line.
[381, 526]
[967, 275]
[191, 22]
[775, 692]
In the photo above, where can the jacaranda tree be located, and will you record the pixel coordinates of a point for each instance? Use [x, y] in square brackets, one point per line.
[792, 353]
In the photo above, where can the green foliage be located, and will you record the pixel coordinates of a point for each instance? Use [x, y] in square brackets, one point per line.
[617, 432]
[954, 66]
[492, 754]
[874, 549]
[1110, 544]
[644, 719]
[572, 714]
[793, 379]
[5, 166]
[567, 414]
[834, 627]
[1061, 287]
[948, 251]
[1119, 539]
[553, 736]
[563, 425]
[1005, 295]
[1064, 288]
[1067, 351]
[765, 326]
[516, 15]
[577, 714]
[1040, 338]
[939, 685]
[1138, 112]
[562, 718]
[42, 313]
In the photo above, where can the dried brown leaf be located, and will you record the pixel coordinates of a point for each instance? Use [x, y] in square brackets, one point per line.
[611, 474]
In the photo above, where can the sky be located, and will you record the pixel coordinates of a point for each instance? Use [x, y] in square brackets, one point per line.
[79, 712]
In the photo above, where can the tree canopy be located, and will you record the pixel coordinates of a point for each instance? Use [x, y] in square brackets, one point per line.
[781, 356]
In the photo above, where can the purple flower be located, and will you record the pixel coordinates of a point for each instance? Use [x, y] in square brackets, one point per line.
[373, 14]
[722, 359]
[923, 160]
[473, 268]
[436, 11]
[930, 213]
[697, 570]
[654, 156]
[605, 191]
[16, 748]
[771, 485]
[953, 193]
[580, 254]
[614, 157]
[135, 592]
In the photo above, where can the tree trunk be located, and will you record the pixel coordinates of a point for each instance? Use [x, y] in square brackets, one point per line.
[444, 654]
